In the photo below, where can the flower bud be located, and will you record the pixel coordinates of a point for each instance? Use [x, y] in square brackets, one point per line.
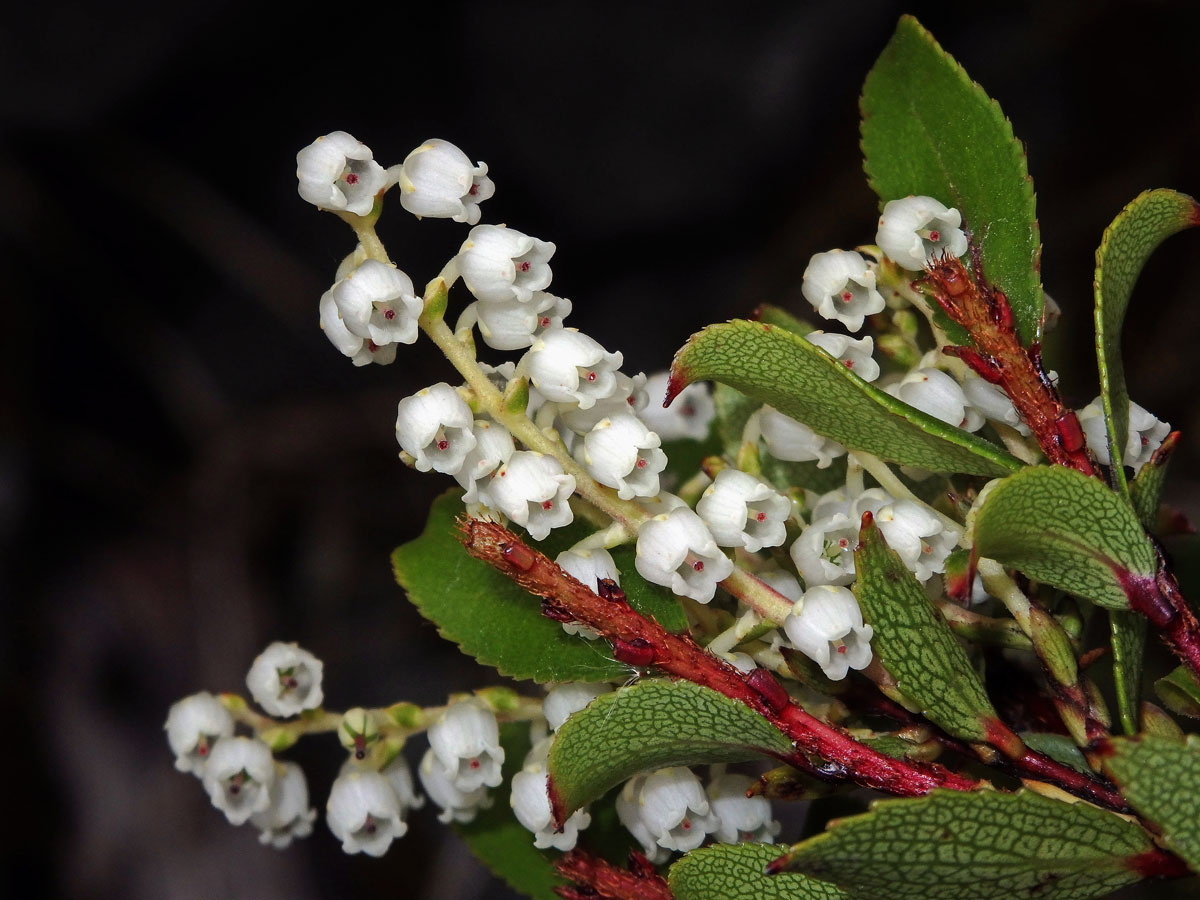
[937, 394]
[565, 700]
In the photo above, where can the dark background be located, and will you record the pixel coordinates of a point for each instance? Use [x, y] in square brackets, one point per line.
[188, 470]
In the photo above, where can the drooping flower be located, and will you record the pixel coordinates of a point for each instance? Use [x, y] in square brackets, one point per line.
[530, 803]
[194, 724]
[934, 392]
[533, 491]
[338, 172]
[1145, 434]
[362, 352]
[676, 549]
[629, 397]
[915, 230]
[993, 403]
[827, 627]
[568, 366]
[438, 180]
[673, 808]
[564, 700]
[741, 819]
[493, 448]
[466, 740]
[743, 511]
[840, 285]
[456, 805]
[622, 453]
[285, 680]
[376, 302]
[920, 538]
[364, 813]
[239, 776]
[855, 355]
[514, 324]
[794, 441]
[288, 816]
[689, 415]
[435, 427]
[498, 263]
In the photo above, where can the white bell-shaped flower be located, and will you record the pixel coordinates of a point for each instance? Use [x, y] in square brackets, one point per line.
[533, 491]
[438, 180]
[530, 802]
[920, 538]
[513, 324]
[456, 805]
[824, 551]
[1146, 434]
[493, 448]
[827, 627]
[340, 173]
[629, 813]
[364, 813]
[289, 816]
[361, 352]
[992, 403]
[855, 355]
[840, 285]
[239, 776]
[399, 776]
[782, 582]
[376, 302]
[742, 819]
[466, 740]
[794, 441]
[564, 700]
[689, 415]
[664, 545]
[498, 263]
[285, 680]
[743, 511]
[193, 725]
[675, 810]
[623, 453]
[435, 427]
[915, 230]
[934, 392]
[629, 397]
[568, 366]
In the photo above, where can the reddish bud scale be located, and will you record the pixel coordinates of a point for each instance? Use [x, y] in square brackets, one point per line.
[610, 590]
[768, 687]
[1000, 310]
[597, 877]
[557, 613]
[518, 555]
[983, 366]
[637, 652]
[1070, 433]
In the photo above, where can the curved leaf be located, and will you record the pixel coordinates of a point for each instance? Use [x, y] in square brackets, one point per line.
[735, 872]
[914, 643]
[497, 622]
[1063, 528]
[647, 726]
[1179, 691]
[983, 845]
[1128, 631]
[1161, 780]
[777, 367]
[1138, 229]
[928, 129]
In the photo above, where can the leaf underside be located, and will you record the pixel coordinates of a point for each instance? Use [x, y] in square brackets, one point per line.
[927, 129]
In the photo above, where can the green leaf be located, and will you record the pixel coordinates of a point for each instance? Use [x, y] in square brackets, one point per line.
[1058, 747]
[1145, 491]
[781, 318]
[927, 129]
[774, 366]
[1161, 780]
[914, 643]
[1065, 529]
[650, 725]
[497, 622]
[1138, 229]
[982, 845]
[735, 872]
[502, 843]
[1129, 651]
[1179, 691]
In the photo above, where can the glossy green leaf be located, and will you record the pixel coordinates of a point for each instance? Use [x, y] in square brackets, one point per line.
[1140, 227]
[498, 623]
[1179, 691]
[774, 366]
[1065, 529]
[735, 872]
[1145, 491]
[914, 643]
[927, 129]
[650, 725]
[1161, 780]
[983, 845]
[1058, 747]
[502, 843]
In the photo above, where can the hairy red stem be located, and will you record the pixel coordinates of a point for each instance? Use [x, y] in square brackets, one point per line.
[597, 877]
[822, 749]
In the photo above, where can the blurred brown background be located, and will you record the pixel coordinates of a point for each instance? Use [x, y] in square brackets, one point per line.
[188, 470]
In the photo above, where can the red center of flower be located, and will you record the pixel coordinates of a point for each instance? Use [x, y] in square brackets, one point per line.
[372, 346]
[698, 566]
[474, 190]
[389, 314]
[762, 517]
[443, 444]
[351, 178]
[369, 827]
[847, 296]
[935, 235]
[544, 321]
[523, 266]
[641, 464]
[474, 764]
[591, 376]
[841, 649]
[848, 363]
[686, 824]
[202, 750]
[547, 505]
[844, 543]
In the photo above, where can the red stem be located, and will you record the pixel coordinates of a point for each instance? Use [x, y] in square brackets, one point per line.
[838, 756]
[596, 877]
